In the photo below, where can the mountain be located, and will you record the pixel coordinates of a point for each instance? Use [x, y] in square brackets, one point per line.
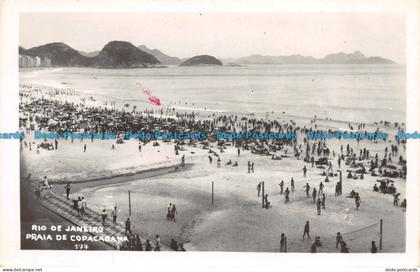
[202, 60]
[60, 54]
[259, 59]
[354, 58]
[339, 58]
[120, 54]
[89, 54]
[163, 58]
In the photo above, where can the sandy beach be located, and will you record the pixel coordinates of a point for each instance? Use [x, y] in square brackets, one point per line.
[236, 221]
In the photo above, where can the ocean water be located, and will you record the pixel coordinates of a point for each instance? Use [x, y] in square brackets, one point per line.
[355, 93]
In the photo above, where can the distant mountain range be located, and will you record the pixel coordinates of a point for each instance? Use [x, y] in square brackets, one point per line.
[121, 54]
[115, 54]
[339, 58]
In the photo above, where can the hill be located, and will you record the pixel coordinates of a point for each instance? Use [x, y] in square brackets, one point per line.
[60, 54]
[120, 54]
[202, 60]
[163, 58]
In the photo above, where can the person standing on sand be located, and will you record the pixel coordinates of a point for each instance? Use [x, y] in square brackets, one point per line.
[173, 212]
[239, 151]
[128, 226]
[282, 243]
[304, 171]
[157, 243]
[292, 185]
[323, 201]
[67, 188]
[183, 161]
[210, 159]
[56, 144]
[318, 206]
[286, 195]
[306, 231]
[84, 148]
[281, 184]
[321, 188]
[259, 189]
[114, 215]
[252, 167]
[338, 239]
[103, 215]
[307, 188]
[84, 206]
[249, 167]
[314, 194]
[357, 200]
[312, 161]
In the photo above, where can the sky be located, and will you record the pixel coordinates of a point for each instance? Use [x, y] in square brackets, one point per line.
[224, 34]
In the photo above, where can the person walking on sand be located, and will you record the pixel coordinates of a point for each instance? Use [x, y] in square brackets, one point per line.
[304, 171]
[84, 148]
[281, 184]
[306, 231]
[259, 189]
[67, 188]
[128, 226]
